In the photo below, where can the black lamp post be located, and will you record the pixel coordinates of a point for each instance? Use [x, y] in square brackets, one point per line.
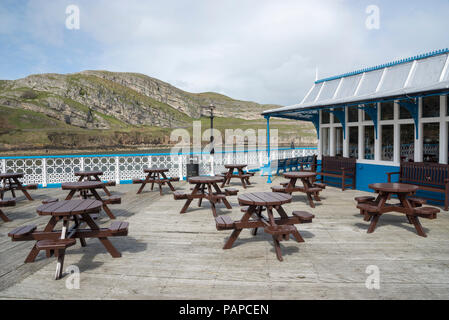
[211, 108]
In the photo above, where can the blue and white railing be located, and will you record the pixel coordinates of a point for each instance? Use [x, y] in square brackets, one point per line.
[51, 171]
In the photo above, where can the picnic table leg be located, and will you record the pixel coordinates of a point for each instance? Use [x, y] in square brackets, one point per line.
[70, 195]
[226, 178]
[235, 234]
[77, 224]
[11, 188]
[277, 248]
[242, 178]
[189, 200]
[418, 226]
[61, 252]
[200, 200]
[246, 179]
[144, 183]
[374, 220]
[159, 182]
[105, 206]
[97, 178]
[211, 200]
[4, 217]
[168, 182]
[22, 188]
[225, 201]
[104, 240]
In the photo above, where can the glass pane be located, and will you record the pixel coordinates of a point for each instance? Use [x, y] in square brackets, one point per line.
[339, 142]
[387, 143]
[404, 113]
[369, 142]
[353, 142]
[431, 107]
[447, 106]
[325, 117]
[325, 137]
[431, 148]
[387, 111]
[407, 142]
[353, 114]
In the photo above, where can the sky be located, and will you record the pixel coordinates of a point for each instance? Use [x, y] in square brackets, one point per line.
[259, 50]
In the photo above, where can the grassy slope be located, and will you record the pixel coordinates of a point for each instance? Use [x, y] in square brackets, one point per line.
[27, 129]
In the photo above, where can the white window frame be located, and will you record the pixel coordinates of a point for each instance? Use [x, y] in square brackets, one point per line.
[396, 122]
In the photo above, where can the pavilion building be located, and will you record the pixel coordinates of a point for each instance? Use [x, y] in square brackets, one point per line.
[381, 116]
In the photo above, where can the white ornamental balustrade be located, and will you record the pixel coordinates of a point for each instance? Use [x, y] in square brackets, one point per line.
[54, 170]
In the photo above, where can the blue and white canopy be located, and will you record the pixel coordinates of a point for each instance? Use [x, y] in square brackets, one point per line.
[426, 73]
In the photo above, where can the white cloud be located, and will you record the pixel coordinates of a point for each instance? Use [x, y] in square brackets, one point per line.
[265, 51]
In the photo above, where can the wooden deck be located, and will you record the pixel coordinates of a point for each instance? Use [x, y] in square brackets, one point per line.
[172, 256]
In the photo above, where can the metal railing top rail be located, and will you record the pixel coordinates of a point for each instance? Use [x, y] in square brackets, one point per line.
[149, 154]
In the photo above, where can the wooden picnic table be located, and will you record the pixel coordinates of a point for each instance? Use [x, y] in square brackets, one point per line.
[10, 182]
[158, 176]
[375, 208]
[94, 176]
[206, 188]
[309, 187]
[280, 228]
[56, 242]
[244, 177]
[88, 189]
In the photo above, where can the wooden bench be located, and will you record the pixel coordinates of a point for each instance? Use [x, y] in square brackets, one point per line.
[432, 177]
[231, 191]
[224, 223]
[426, 212]
[179, 195]
[6, 203]
[21, 232]
[138, 181]
[338, 167]
[50, 200]
[303, 216]
[112, 200]
[31, 186]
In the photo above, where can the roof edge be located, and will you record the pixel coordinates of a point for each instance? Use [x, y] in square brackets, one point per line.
[386, 65]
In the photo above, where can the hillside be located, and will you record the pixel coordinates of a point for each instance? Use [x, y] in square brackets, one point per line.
[100, 109]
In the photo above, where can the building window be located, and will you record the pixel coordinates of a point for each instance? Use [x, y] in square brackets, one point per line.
[354, 142]
[407, 142]
[353, 114]
[387, 142]
[431, 107]
[325, 138]
[339, 142]
[404, 113]
[387, 111]
[431, 136]
[325, 117]
[369, 142]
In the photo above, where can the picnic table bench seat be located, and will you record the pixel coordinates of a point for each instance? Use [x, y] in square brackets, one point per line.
[338, 167]
[426, 212]
[56, 244]
[279, 189]
[433, 177]
[50, 200]
[417, 202]
[31, 186]
[179, 195]
[112, 200]
[11, 202]
[174, 179]
[119, 228]
[364, 199]
[138, 181]
[231, 191]
[21, 232]
[224, 223]
[303, 216]
[280, 232]
[368, 207]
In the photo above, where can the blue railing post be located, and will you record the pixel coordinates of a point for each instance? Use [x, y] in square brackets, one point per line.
[268, 149]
